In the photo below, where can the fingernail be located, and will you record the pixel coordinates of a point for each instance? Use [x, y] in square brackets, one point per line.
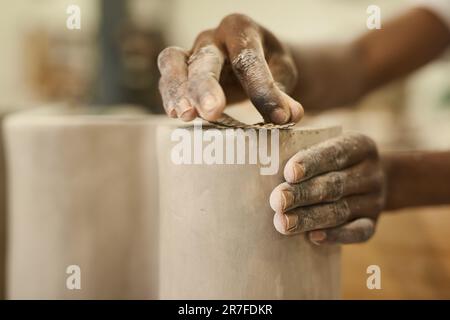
[299, 171]
[170, 108]
[208, 103]
[287, 199]
[294, 172]
[186, 115]
[184, 109]
[284, 223]
[317, 236]
[280, 200]
[291, 222]
[183, 105]
[279, 116]
[172, 113]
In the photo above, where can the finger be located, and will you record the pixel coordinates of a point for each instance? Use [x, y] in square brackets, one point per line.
[243, 42]
[281, 64]
[205, 66]
[332, 155]
[284, 72]
[172, 64]
[358, 179]
[281, 68]
[359, 230]
[328, 215]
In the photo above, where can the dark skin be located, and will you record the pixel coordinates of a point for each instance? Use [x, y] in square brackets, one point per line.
[334, 191]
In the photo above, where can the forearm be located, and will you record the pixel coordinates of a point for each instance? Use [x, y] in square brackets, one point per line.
[416, 179]
[329, 76]
[333, 76]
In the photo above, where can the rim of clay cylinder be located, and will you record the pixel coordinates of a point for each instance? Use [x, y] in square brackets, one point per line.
[126, 114]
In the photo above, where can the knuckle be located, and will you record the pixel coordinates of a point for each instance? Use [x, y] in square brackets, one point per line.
[365, 141]
[171, 88]
[206, 60]
[203, 38]
[307, 220]
[235, 19]
[358, 137]
[205, 34]
[340, 211]
[302, 192]
[246, 60]
[334, 186]
[323, 216]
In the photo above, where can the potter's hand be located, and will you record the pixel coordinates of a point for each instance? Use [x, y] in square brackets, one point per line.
[334, 191]
[238, 59]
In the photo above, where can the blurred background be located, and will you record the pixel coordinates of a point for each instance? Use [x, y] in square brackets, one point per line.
[111, 60]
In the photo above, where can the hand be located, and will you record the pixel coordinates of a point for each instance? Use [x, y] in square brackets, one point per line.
[237, 60]
[334, 191]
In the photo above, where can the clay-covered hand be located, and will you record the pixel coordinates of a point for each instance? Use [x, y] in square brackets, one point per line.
[237, 60]
[334, 191]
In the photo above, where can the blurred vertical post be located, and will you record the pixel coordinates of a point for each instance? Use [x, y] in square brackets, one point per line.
[109, 88]
[2, 215]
